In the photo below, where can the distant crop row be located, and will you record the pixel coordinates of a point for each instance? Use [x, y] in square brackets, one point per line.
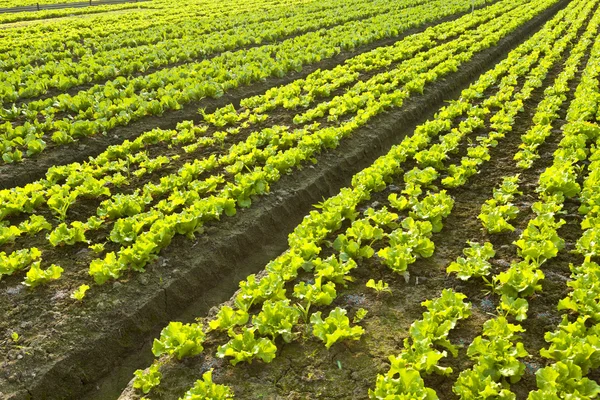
[64, 118]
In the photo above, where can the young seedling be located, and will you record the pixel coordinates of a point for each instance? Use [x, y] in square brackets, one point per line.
[379, 287]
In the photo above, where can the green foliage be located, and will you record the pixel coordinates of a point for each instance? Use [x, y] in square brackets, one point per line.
[181, 340]
[335, 327]
[146, 380]
[360, 314]
[334, 270]
[206, 389]
[575, 342]
[18, 260]
[514, 306]
[246, 347]
[35, 224]
[563, 380]
[540, 240]
[252, 291]
[522, 279]
[228, 318]
[496, 354]
[433, 208]
[108, 268]
[277, 318]
[97, 247]
[379, 287]
[495, 216]
[407, 384]
[560, 178]
[587, 280]
[79, 293]
[317, 293]
[37, 276]
[63, 235]
[476, 262]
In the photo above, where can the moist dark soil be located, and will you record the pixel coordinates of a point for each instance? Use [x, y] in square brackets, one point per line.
[66, 349]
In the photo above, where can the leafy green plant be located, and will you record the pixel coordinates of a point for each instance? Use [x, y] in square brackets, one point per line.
[404, 384]
[335, 327]
[253, 291]
[79, 293]
[206, 389]
[360, 314]
[18, 260]
[586, 281]
[522, 279]
[563, 380]
[277, 318]
[227, 318]
[181, 340]
[379, 286]
[35, 224]
[318, 293]
[334, 270]
[433, 208]
[495, 216]
[108, 268]
[63, 235]
[514, 306]
[146, 380]
[97, 248]
[476, 262]
[37, 276]
[574, 341]
[246, 347]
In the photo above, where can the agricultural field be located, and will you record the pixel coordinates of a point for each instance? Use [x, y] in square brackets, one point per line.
[299, 199]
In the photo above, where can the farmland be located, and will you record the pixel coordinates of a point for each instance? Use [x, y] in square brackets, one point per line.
[301, 200]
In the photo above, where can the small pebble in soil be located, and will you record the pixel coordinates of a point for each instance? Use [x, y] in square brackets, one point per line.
[163, 262]
[26, 325]
[531, 367]
[84, 253]
[487, 305]
[355, 300]
[61, 294]
[15, 290]
[501, 263]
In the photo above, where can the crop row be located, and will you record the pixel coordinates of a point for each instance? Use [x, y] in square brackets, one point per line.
[574, 344]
